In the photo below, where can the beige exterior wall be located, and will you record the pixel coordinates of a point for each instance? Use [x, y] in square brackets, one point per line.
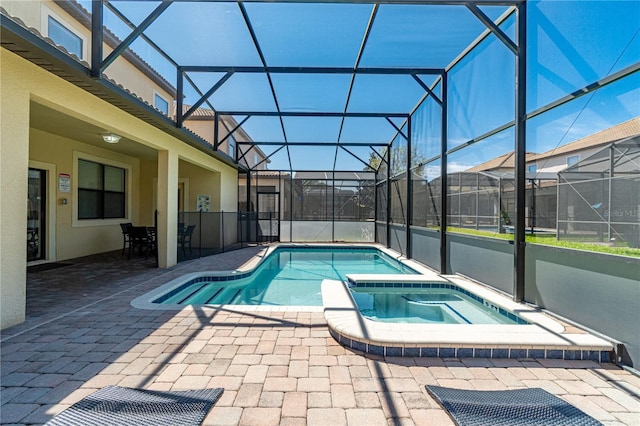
[14, 162]
[80, 238]
[34, 14]
[23, 84]
[148, 188]
[556, 164]
[130, 77]
[204, 182]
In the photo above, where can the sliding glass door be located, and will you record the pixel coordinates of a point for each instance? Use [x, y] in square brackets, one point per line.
[36, 212]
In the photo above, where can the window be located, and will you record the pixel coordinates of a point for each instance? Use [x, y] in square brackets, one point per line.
[101, 191]
[162, 104]
[64, 37]
[533, 168]
[232, 146]
[572, 160]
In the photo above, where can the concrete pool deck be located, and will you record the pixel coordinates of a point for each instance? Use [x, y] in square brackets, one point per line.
[82, 334]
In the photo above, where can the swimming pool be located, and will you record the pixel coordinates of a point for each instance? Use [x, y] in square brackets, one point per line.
[435, 304]
[288, 276]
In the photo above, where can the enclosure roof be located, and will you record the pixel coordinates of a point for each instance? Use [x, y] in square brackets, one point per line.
[315, 85]
[311, 85]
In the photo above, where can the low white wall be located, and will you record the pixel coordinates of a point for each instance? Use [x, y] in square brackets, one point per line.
[307, 231]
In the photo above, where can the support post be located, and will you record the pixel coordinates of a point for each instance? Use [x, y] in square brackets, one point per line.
[409, 191]
[389, 197]
[443, 177]
[167, 231]
[179, 96]
[221, 229]
[96, 39]
[375, 206]
[333, 206]
[520, 154]
[216, 130]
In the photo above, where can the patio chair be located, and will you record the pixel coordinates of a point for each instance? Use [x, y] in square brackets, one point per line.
[126, 239]
[139, 238]
[184, 239]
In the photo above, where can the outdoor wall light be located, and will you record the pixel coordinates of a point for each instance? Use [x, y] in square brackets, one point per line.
[111, 138]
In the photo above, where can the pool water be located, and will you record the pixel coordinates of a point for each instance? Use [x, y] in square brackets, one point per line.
[435, 306]
[288, 276]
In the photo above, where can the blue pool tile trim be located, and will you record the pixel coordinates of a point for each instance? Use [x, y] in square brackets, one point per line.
[412, 352]
[446, 352]
[429, 352]
[482, 353]
[500, 353]
[518, 353]
[495, 308]
[466, 352]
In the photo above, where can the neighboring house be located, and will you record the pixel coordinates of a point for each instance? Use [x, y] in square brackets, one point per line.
[558, 159]
[543, 169]
[503, 163]
[202, 123]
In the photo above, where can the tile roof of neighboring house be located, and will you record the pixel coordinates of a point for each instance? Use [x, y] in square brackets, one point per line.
[207, 114]
[198, 114]
[204, 114]
[603, 137]
[79, 13]
[269, 173]
[504, 161]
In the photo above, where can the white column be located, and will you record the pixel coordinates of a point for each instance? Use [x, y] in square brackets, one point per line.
[167, 232]
[14, 168]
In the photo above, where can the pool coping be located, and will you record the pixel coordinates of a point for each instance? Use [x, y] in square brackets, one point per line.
[145, 301]
[544, 337]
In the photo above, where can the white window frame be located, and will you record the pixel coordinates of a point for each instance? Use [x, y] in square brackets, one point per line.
[75, 222]
[535, 168]
[159, 95]
[577, 157]
[231, 147]
[46, 13]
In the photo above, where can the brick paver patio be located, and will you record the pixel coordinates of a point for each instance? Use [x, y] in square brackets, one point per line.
[279, 368]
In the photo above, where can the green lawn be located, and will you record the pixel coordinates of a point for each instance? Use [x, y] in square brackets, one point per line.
[550, 240]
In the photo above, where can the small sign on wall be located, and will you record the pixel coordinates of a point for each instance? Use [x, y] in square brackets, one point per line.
[64, 182]
[203, 202]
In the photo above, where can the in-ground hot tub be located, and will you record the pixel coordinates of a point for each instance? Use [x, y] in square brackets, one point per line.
[532, 334]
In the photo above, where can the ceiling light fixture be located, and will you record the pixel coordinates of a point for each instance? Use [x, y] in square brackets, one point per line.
[111, 138]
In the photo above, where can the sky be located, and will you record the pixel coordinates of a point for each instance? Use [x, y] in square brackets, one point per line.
[564, 55]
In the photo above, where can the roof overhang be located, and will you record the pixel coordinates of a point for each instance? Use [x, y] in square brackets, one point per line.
[33, 48]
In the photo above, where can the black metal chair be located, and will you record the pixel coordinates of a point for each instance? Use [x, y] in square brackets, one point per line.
[126, 239]
[184, 239]
[139, 238]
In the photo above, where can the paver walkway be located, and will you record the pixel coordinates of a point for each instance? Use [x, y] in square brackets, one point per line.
[279, 368]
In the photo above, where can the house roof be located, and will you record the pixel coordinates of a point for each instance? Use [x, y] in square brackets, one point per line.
[504, 161]
[603, 137]
[230, 123]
